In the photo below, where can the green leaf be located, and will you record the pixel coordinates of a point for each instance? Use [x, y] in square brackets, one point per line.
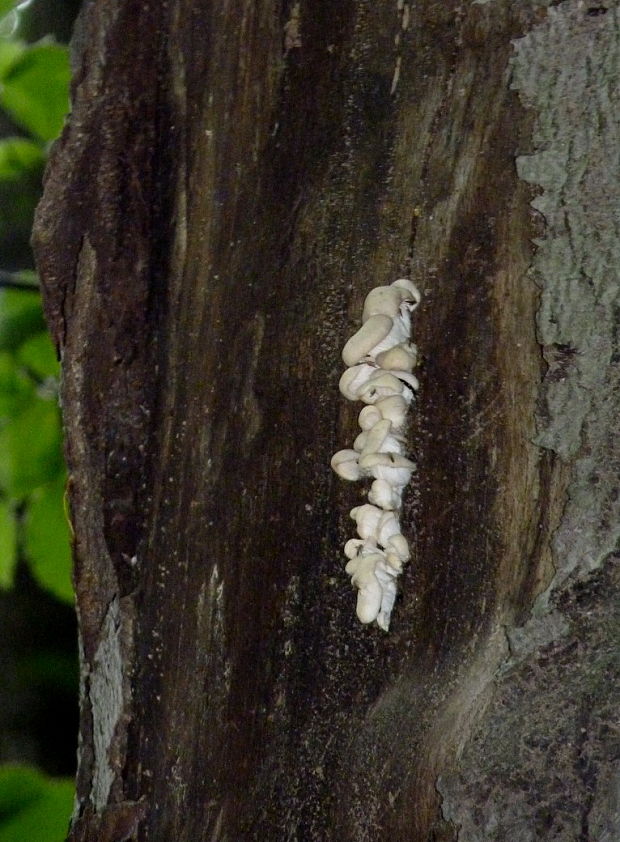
[46, 540]
[30, 448]
[8, 544]
[37, 354]
[19, 786]
[7, 6]
[21, 316]
[34, 89]
[33, 806]
[16, 389]
[9, 52]
[19, 156]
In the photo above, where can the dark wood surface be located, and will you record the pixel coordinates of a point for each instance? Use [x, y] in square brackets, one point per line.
[224, 196]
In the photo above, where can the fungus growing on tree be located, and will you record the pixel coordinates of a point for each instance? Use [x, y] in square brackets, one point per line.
[379, 358]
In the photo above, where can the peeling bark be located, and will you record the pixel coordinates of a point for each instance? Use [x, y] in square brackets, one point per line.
[234, 178]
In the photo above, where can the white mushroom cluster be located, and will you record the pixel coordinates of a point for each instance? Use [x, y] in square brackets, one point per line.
[380, 360]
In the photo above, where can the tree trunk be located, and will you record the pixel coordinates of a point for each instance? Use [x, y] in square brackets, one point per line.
[234, 178]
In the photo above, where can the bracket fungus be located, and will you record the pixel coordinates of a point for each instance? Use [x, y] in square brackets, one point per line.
[380, 358]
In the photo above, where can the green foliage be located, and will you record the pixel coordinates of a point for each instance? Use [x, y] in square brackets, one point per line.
[32, 477]
[8, 544]
[33, 807]
[7, 6]
[30, 448]
[34, 81]
[20, 317]
[38, 356]
[34, 96]
[17, 154]
[33, 89]
[46, 540]
[16, 389]
[9, 52]
[34, 84]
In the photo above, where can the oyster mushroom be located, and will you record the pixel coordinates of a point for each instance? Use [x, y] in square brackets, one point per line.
[392, 467]
[367, 518]
[380, 359]
[383, 495]
[369, 416]
[384, 384]
[387, 528]
[354, 547]
[408, 378]
[400, 357]
[397, 552]
[371, 334]
[380, 439]
[345, 464]
[393, 408]
[398, 333]
[370, 592]
[384, 301]
[386, 576]
[412, 293]
[354, 378]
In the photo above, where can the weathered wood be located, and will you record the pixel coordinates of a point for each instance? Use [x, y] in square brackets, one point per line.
[234, 179]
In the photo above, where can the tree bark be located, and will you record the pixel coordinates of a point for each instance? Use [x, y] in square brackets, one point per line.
[234, 178]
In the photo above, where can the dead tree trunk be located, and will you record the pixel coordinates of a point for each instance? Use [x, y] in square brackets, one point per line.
[234, 178]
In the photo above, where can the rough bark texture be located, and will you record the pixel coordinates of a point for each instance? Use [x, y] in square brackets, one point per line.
[234, 178]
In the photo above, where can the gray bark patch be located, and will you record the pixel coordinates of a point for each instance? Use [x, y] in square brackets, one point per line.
[106, 695]
[567, 69]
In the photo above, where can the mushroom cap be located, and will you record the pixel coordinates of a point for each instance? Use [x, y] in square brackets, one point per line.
[412, 292]
[378, 440]
[383, 495]
[376, 581]
[345, 464]
[383, 384]
[369, 599]
[407, 377]
[400, 332]
[369, 416]
[393, 408]
[400, 358]
[391, 444]
[367, 518]
[393, 467]
[398, 546]
[384, 573]
[361, 568]
[387, 528]
[382, 301]
[362, 572]
[353, 547]
[391, 460]
[354, 378]
[394, 562]
[375, 438]
[371, 333]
